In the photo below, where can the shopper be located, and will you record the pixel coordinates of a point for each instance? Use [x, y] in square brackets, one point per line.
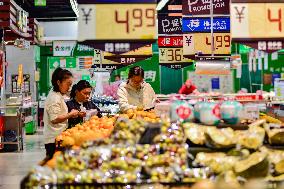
[188, 88]
[55, 110]
[80, 100]
[136, 92]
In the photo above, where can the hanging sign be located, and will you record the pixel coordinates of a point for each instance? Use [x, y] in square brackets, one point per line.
[257, 20]
[192, 25]
[14, 19]
[200, 44]
[266, 45]
[169, 24]
[117, 21]
[170, 41]
[83, 50]
[63, 48]
[126, 60]
[117, 47]
[202, 7]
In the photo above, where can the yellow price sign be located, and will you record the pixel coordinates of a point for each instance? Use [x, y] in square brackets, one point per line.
[117, 21]
[201, 43]
[172, 55]
[257, 20]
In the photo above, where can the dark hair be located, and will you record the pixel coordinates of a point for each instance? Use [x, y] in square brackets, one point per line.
[117, 75]
[82, 84]
[59, 74]
[136, 71]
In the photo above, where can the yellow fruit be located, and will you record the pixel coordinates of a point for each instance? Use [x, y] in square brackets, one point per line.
[68, 141]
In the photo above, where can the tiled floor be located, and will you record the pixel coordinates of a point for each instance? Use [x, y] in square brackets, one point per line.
[14, 166]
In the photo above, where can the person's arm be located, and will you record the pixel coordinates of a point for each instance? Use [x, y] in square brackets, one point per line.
[195, 90]
[123, 101]
[54, 111]
[62, 118]
[182, 90]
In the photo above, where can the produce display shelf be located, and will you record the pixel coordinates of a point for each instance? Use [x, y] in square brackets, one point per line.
[176, 185]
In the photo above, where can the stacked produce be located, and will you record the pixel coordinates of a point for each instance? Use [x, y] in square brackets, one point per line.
[94, 129]
[232, 156]
[216, 138]
[139, 113]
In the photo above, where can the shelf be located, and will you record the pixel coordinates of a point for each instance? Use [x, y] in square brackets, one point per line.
[9, 142]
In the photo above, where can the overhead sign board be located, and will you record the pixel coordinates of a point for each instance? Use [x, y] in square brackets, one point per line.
[193, 25]
[263, 44]
[169, 24]
[202, 7]
[117, 21]
[257, 20]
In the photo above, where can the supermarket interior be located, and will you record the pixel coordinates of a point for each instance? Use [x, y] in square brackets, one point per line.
[142, 94]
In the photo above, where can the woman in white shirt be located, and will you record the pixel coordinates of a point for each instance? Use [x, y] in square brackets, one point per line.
[55, 110]
[136, 92]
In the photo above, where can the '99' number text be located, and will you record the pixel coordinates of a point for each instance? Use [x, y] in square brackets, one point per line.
[136, 18]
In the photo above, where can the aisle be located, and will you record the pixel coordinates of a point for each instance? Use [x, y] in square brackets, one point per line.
[14, 166]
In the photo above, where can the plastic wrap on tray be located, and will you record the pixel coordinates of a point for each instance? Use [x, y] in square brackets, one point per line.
[196, 174]
[195, 133]
[41, 176]
[275, 133]
[255, 165]
[163, 174]
[252, 138]
[219, 138]
[218, 162]
[276, 159]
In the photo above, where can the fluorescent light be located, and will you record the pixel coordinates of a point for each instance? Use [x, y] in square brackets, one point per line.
[161, 4]
[74, 6]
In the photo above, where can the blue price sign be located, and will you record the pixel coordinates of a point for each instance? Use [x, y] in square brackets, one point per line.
[192, 25]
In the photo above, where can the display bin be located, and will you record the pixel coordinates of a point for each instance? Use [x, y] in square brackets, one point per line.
[177, 185]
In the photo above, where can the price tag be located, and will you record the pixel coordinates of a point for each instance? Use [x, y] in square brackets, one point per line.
[117, 21]
[171, 55]
[169, 24]
[170, 41]
[200, 43]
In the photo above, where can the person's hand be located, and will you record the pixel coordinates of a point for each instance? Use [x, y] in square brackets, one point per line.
[82, 114]
[74, 113]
